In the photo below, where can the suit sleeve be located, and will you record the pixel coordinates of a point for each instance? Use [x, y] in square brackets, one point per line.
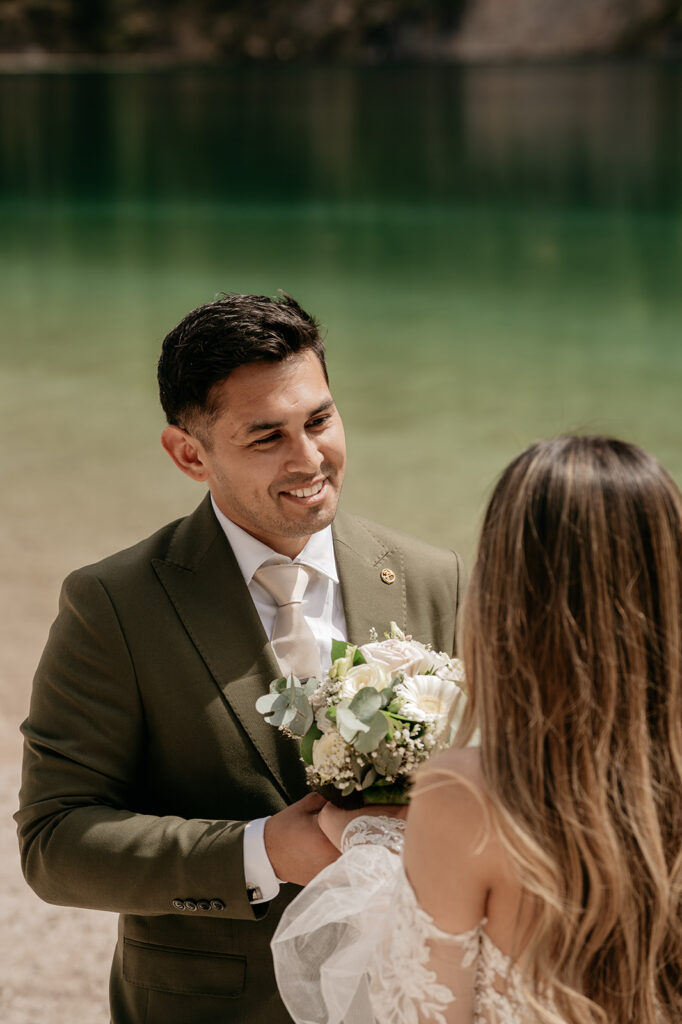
[81, 844]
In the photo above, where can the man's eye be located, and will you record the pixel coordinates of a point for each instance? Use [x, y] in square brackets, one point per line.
[319, 421]
[265, 440]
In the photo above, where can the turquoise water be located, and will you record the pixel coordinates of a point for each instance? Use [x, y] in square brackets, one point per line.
[495, 255]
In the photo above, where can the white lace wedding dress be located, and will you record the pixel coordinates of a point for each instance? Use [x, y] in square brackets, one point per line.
[355, 947]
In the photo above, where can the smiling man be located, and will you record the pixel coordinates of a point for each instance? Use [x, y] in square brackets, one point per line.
[152, 787]
[273, 454]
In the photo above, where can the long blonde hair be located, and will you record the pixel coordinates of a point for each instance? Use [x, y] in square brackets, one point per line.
[572, 642]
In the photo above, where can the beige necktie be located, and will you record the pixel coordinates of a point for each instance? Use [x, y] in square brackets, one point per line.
[292, 639]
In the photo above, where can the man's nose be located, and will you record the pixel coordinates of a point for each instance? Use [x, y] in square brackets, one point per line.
[304, 455]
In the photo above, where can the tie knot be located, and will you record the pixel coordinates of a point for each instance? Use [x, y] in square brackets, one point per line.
[285, 583]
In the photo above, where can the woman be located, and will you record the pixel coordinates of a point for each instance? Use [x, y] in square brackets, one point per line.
[545, 867]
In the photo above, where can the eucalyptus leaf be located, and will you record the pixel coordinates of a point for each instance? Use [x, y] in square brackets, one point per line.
[368, 741]
[386, 761]
[289, 715]
[277, 716]
[299, 716]
[347, 790]
[312, 734]
[277, 685]
[369, 779]
[348, 724]
[269, 701]
[289, 709]
[387, 696]
[366, 703]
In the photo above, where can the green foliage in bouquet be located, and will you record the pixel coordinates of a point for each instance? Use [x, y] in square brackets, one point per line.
[287, 706]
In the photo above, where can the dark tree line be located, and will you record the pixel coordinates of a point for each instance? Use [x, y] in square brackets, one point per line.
[282, 29]
[369, 30]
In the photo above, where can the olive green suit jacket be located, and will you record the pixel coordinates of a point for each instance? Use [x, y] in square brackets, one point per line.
[145, 755]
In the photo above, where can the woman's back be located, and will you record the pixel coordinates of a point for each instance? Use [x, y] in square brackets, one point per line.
[465, 880]
[456, 864]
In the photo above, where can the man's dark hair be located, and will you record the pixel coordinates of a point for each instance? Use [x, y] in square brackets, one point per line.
[216, 338]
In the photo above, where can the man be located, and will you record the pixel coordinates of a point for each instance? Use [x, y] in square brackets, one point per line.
[152, 787]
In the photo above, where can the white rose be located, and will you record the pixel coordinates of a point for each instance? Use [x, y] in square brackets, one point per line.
[397, 655]
[329, 756]
[360, 676]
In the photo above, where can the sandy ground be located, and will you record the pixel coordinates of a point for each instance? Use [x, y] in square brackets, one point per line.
[54, 961]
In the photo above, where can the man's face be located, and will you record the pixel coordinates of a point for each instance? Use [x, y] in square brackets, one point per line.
[276, 454]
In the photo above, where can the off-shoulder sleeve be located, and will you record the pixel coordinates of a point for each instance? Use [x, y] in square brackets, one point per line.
[355, 947]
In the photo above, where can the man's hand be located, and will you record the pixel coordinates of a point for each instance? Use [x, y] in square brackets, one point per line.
[333, 820]
[294, 842]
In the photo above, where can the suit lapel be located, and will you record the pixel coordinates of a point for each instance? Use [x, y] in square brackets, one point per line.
[202, 579]
[372, 578]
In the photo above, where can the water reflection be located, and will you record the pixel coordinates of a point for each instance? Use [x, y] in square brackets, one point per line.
[605, 134]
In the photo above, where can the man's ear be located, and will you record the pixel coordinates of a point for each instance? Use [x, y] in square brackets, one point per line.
[186, 452]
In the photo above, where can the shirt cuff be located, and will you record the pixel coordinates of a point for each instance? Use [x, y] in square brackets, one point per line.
[261, 881]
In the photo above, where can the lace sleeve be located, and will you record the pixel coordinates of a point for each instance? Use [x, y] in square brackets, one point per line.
[355, 947]
[380, 830]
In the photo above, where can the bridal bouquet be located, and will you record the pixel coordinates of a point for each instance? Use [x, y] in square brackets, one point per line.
[383, 708]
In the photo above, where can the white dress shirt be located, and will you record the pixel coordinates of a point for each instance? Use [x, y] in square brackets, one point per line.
[323, 610]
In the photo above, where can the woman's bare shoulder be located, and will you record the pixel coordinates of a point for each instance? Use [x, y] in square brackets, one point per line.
[449, 843]
[461, 766]
[455, 856]
[451, 806]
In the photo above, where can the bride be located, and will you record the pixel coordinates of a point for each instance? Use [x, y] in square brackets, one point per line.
[541, 874]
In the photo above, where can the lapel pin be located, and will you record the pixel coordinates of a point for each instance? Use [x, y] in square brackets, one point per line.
[387, 576]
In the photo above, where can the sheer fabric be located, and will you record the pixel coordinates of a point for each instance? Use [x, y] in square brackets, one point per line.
[355, 947]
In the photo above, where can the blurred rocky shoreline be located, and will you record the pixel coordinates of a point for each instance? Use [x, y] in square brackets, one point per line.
[36, 34]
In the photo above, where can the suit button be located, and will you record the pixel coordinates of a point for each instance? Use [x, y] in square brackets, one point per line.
[179, 904]
[190, 905]
[203, 905]
[217, 905]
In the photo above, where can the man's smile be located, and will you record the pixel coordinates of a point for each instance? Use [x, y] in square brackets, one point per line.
[311, 494]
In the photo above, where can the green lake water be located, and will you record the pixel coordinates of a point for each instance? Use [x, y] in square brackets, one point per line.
[495, 254]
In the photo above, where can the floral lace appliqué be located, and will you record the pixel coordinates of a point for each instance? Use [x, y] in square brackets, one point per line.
[405, 990]
[410, 991]
[379, 831]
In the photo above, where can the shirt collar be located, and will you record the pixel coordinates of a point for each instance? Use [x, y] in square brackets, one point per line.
[252, 553]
